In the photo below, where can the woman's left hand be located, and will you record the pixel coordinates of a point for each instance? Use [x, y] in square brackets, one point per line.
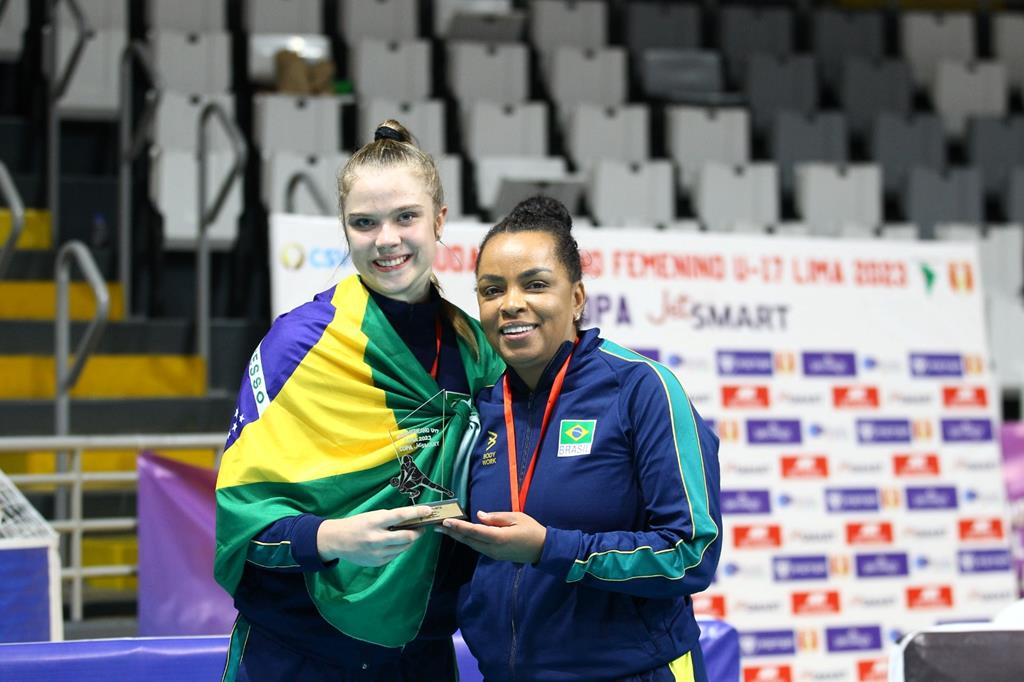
[505, 536]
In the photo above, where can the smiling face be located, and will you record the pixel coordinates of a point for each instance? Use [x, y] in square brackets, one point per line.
[528, 302]
[392, 229]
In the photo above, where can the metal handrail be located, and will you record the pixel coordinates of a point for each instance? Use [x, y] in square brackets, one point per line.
[131, 145]
[58, 86]
[305, 179]
[75, 526]
[10, 193]
[66, 378]
[205, 217]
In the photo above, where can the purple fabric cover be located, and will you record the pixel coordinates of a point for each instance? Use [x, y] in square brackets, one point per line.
[177, 593]
[1012, 437]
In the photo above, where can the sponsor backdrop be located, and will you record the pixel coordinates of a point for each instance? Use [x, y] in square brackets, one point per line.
[862, 493]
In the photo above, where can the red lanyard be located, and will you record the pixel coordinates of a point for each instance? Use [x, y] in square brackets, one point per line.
[437, 353]
[519, 496]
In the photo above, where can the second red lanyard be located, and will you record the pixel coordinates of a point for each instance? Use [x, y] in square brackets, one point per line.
[519, 494]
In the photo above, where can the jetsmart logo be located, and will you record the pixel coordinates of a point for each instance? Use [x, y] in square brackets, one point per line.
[972, 530]
[855, 397]
[923, 464]
[745, 397]
[964, 396]
[806, 467]
[930, 597]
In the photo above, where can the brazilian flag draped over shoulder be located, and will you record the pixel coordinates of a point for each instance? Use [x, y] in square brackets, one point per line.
[325, 444]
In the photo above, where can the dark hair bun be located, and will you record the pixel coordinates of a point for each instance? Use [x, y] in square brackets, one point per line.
[541, 210]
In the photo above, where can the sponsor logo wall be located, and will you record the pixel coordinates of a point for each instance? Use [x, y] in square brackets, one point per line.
[862, 494]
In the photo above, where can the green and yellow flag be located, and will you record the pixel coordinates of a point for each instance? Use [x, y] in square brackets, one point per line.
[327, 392]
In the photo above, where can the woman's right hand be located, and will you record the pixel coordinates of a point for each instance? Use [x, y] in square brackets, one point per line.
[364, 539]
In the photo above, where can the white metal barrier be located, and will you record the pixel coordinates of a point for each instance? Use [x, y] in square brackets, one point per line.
[75, 526]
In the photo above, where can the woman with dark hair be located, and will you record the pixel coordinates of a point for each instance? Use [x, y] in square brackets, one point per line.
[352, 409]
[593, 488]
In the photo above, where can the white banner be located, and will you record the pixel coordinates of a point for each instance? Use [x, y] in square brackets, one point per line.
[848, 380]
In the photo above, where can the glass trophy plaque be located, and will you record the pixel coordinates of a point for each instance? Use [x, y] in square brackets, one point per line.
[409, 441]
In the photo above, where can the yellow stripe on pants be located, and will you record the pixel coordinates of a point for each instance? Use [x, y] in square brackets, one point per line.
[682, 668]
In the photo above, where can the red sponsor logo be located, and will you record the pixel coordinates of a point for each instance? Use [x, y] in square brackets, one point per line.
[709, 605]
[757, 537]
[870, 533]
[916, 464]
[981, 529]
[873, 670]
[745, 397]
[768, 673]
[815, 602]
[930, 597]
[855, 397]
[804, 466]
[964, 396]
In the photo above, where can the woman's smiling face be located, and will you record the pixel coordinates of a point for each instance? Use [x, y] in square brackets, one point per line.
[392, 229]
[528, 303]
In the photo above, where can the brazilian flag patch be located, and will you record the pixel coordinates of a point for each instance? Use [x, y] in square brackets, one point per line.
[576, 436]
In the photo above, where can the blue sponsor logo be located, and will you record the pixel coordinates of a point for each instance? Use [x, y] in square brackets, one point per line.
[773, 431]
[786, 568]
[830, 364]
[852, 499]
[983, 560]
[881, 565]
[884, 431]
[857, 638]
[749, 363]
[322, 258]
[936, 365]
[745, 502]
[768, 643]
[966, 430]
[931, 497]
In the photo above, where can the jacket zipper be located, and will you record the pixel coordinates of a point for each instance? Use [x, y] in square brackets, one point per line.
[512, 649]
[519, 569]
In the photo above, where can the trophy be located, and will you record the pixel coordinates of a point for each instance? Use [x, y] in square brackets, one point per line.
[411, 481]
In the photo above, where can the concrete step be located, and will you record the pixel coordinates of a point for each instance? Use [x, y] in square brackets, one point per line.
[110, 416]
[106, 376]
[36, 233]
[37, 300]
[231, 342]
